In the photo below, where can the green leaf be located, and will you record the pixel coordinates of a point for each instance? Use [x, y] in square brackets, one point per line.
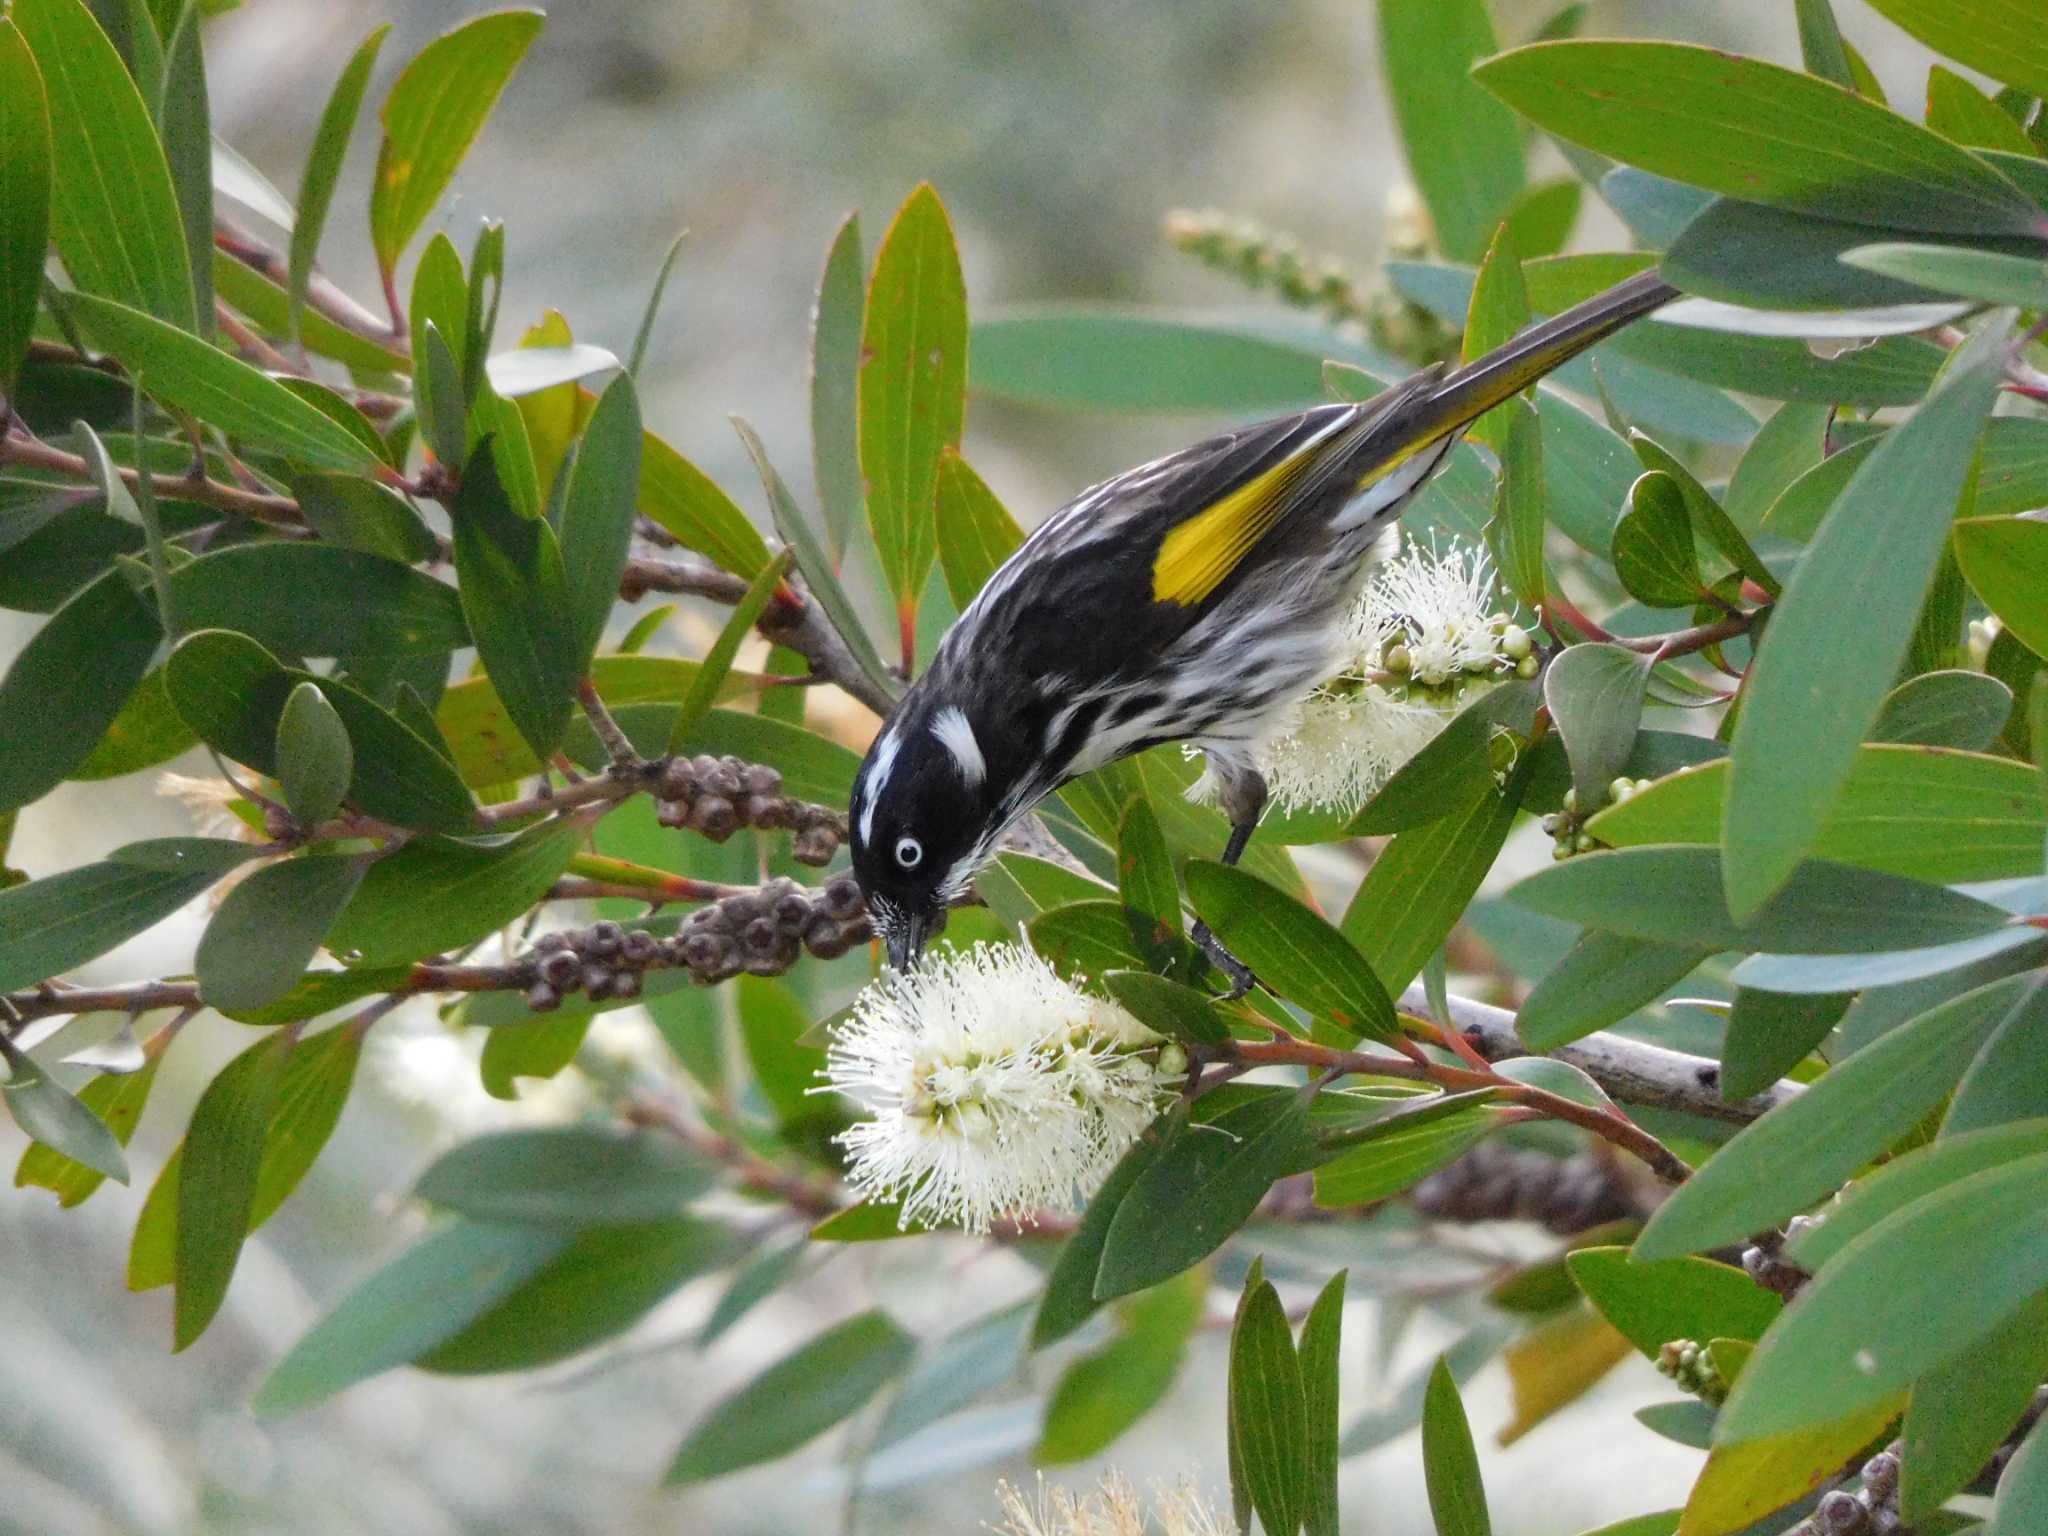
[1907, 1296]
[796, 1399]
[2008, 1080]
[1672, 1299]
[113, 211]
[644, 333]
[1961, 1412]
[1146, 885]
[1821, 47]
[1176, 1011]
[1708, 519]
[1541, 219]
[1268, 1414]
[1521, 506]
[54, 1118]
[1996, 37]
[1959, 112]
[1453, 767]
[1463, 149]
[219, 1163]
[117, 1099]
[314, 759]
[1299, 954]
[1741, 1484]
[426, 1295]
[2022, 1489]
[48, 926]
[232, 692]
[817, 567]
[438, 403]
[597, 1286]
[1450, 1462]
[184, 373]
[438, 894]
[571, 1175]
[1595, 695]
[1810, 1145]
[1928, 813]
[432, 116]
[268, 307]
[761, 1277]
[678, 496]
[835, 381]
[1203, 1185]
[189, 150]
[1709, 118]
[1602, 980]
[1499, 308]
[1653, 545]
[1770, 1033]
[976, 532]
[1422, 881]
[1070, 1299]
[1784, 448]
[1085, 938]
[2005, 559]
[913, 392]
[598, 512]
[717, 663]
[68, 685]
[1987, 276]
[266, 932]
[24, 199]
[538, 1047]
[1102, 1394]
[1668, 892]
[1795, 740]
[515, 595]
[317, 600]
[960, 1368]
[146, 732]
[1320, 1338]
[1958, 709]
[323, 170]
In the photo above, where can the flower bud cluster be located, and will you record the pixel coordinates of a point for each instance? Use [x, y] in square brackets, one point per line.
[1495, 1183]
[1260, 258]
[1567, 828]
[716, 796]
[1872, 1510]
[1689, 1365]
[759, 932]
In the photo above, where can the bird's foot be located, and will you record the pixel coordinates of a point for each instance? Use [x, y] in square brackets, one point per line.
[1241, 978]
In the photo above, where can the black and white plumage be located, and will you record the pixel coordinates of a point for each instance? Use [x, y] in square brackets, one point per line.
[1196, 598]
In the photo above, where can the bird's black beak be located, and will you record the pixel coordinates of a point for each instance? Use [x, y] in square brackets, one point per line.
[907, 941]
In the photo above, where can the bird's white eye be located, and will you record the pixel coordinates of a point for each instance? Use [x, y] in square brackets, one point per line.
[909, 852]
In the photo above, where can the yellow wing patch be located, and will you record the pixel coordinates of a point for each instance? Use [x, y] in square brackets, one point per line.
[1198, 554]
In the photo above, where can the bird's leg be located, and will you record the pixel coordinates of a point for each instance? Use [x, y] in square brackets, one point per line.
[1243, 799]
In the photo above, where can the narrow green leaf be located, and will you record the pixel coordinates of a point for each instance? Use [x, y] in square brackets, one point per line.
[48, 926]
[1987, 276]
[1673, 1298]
[2022, 1489]
[1820, 43]
[571, 1174]
[1450, 1462]
[1997, 37]
[186, 374]
[189, 150]
[1069, 1299]
[796, 1399]
[1463, 149]
[323, 170]
[596, 1287]
[598, 512]
[1176, 1011]
[426, 1295]
[438, 894]
[437, 393]
[1304, 957]
[1104, 1393]
[1499, 308]
[113, 210]
[1962, 710]
[913, 389]
[1521, 506]
[314, 759]
[1834, 646]
[1268, 1413]
[1601, 981]
[1770, 1033]
[1961, 113]
[645, 331]
[268, 308]
[1961, 1412]
[1204, 1184]
[959, 1369]
[1785, 447]
[2005, 560]
[1707, 118]
[432, 116]
[117, 1099]
[717, 663]
[266, 932]
[835, 379]
[683, 500]
[1595, 696]
[1320, 1337]
[55, 1119]
[2008, 1080]
[540, 1047]
[222, 1155]
[1542, 217]
[68, 684]
[1150, 893]
[311, 599]
[24, 198]
[1808, 1147]
[1907, 1296]
[976, 532]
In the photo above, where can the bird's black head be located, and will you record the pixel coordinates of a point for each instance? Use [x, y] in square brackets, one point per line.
[922, 816]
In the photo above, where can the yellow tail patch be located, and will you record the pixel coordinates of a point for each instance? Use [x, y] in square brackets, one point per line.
[1198, 554]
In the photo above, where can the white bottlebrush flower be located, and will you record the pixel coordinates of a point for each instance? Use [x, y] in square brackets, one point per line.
[1114, 1509]
[1425, 637]
[995, 1087]
[210, 803]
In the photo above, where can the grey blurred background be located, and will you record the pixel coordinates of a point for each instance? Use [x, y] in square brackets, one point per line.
[1059, 133]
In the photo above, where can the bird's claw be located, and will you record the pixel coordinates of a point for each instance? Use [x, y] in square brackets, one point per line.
[1242, 980]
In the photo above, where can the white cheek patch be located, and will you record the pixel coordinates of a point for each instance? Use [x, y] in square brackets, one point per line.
[877, 781]
[952, 731]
